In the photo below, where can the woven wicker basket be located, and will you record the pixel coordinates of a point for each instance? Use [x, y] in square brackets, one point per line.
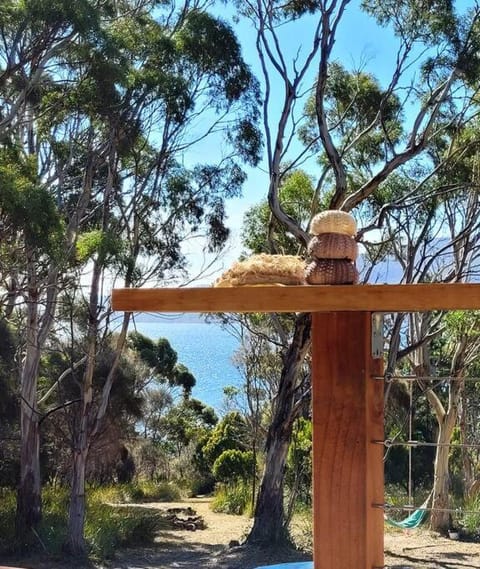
[330, 272]
[333, 221]
[333, 246]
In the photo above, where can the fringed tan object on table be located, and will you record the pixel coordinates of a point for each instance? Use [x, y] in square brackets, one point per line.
[333, 249]
[264, 269]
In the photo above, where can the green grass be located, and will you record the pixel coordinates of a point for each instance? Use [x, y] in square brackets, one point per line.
[233, 499]
[7, 520]
[135, 492]
[301, 528]
[107, 526]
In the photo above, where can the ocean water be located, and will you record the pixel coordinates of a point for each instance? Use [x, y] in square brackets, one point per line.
[206, 349]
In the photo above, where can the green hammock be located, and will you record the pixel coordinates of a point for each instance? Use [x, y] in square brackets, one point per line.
[414, 519]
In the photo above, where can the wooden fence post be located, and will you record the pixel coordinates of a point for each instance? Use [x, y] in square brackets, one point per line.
[347, 466]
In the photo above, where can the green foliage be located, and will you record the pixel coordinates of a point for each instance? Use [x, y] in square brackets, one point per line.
[233, 465]
[27, 206]
[100, 103]
[54, 520]
[298, 8]
[433, 23]
[159, 355]
[212, 45]
[184, 378]
[456, 465]
[298, 475]
[8, 402]
[357, 109]
[470, 522]
[415, 18]
[463, 323]
[137, 491]
[108, 527]
[82, 15]
[105, 245]
[296, 195]
[183, 426]
[301, 527]
[201, 485]
[229, 434]
[396, 495]
[424, 429]
[233, 499]
[51, 530]
[162, 359]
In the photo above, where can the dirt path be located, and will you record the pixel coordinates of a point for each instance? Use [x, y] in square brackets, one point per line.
[210, 548]
[427, 550]
[203, 549]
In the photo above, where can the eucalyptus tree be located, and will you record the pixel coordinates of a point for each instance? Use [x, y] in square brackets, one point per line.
[35, 35]
[170, 79]
[437, 239]
[361, 131]
[99, 102]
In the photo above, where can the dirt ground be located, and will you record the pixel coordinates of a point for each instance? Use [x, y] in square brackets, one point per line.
[211, 548]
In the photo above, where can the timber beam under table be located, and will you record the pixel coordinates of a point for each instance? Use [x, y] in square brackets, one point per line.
[369, 298]
[347, 400]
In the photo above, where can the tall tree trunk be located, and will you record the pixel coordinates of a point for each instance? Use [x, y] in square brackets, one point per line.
[269, 526]
[76, 512]
[29, 506]
[440, 520]
[91, 415]
[467, 464]
[29, 503]
[75, 542]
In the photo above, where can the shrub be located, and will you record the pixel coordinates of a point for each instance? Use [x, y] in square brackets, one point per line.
[234, 465]
[233, 499]
[141, 491]
[471, 521]
[148, 491]
[108, 527]
[51, 531]
[203, 485]
[160, 492]
[113, 494]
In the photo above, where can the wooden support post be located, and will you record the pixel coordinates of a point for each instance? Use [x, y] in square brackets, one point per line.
[347, 466]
